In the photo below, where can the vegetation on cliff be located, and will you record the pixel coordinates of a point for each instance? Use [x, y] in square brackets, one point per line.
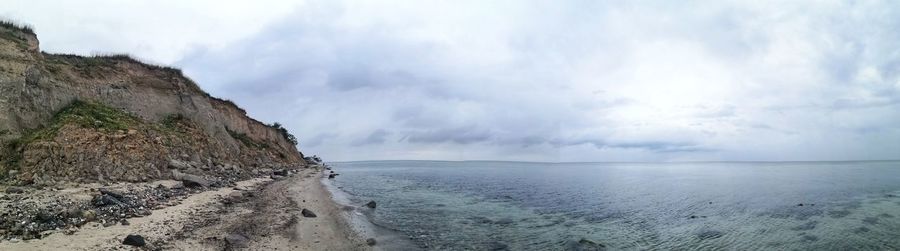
[16, 26]
[284, 133]
[81, 113]
[133, 120]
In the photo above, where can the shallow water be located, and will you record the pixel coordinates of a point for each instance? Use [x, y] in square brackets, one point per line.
[541, 206]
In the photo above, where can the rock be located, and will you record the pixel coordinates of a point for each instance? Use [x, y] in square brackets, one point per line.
[331, 176]
[12, 173]
[236, 241]
[371, 241]
[14, 190]
[504, 221]
[693, 217]
[497, 246]
[89, 215]
[106, 200]
[124, 222]
[800, 205]
[194, 181]
[584, 245]
[371, 204]
[308, 214]
[179, 165]
[45, 217]
[134, 240]
[282, 172]
[709, 234]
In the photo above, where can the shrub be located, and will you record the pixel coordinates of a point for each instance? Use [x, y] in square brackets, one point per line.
[284, 133]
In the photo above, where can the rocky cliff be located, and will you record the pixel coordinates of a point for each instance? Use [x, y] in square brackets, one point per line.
[113, 118]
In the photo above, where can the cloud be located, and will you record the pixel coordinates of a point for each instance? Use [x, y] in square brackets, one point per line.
[377, 137]
[549, 81]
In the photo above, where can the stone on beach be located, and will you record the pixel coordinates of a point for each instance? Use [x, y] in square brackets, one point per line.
[308, 214]
[371, 204]
[14, 190]
[134, 240]
[371, 241]
[190, 180]
[179, 165]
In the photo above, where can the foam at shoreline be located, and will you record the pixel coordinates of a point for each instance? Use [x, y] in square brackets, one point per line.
[358, 219]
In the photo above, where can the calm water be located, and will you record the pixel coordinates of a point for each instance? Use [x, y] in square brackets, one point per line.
[541, 206]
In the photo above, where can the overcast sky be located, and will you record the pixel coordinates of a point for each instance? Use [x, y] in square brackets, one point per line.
[525, 80]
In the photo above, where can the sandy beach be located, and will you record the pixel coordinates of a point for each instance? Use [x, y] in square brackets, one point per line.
[256, 214]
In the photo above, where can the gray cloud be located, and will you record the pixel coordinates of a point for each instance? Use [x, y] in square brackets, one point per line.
[554, 81]
[377, 137]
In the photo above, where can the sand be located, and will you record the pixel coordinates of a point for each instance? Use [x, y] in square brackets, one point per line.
[264, 211]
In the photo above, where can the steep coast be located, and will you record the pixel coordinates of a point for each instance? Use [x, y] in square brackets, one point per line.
[104, 152]
[113, 118]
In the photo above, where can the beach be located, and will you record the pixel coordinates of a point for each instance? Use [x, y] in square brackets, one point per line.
[255, 214]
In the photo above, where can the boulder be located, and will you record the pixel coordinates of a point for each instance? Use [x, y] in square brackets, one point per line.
[190, 180]
[14, 190]
[179, 165]
[709, 234]
[88, 215]
[371, 204]
[134, 240]
[114, 194]
[106, 200]
[371, 241]
[584, 245]
[308, 214]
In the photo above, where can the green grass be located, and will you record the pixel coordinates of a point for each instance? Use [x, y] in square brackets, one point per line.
[173, 122]
[82, 113]
[246, 140]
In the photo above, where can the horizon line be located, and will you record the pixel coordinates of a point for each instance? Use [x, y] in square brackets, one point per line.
[623, 162]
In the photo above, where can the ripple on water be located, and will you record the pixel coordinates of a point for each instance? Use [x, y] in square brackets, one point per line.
[810, 225]
[501, 208]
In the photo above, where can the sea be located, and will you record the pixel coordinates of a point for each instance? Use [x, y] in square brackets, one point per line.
[494, 205]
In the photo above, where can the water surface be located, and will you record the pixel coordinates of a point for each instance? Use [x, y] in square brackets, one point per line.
[478, 205]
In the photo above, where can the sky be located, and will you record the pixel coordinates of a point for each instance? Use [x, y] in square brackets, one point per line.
[548, 81]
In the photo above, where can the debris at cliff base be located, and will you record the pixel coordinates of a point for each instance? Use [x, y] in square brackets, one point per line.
[34, 212]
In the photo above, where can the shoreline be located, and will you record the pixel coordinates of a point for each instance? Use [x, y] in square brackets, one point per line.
[254, 214]
[358, 218]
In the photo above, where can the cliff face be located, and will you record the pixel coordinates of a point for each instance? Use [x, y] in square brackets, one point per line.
[65, 117]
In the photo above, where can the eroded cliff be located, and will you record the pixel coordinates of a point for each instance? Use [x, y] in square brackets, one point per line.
[113, 118]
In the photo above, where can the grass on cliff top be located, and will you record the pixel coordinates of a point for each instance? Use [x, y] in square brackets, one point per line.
[13, 25]
[11, 34]
[92, 65]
